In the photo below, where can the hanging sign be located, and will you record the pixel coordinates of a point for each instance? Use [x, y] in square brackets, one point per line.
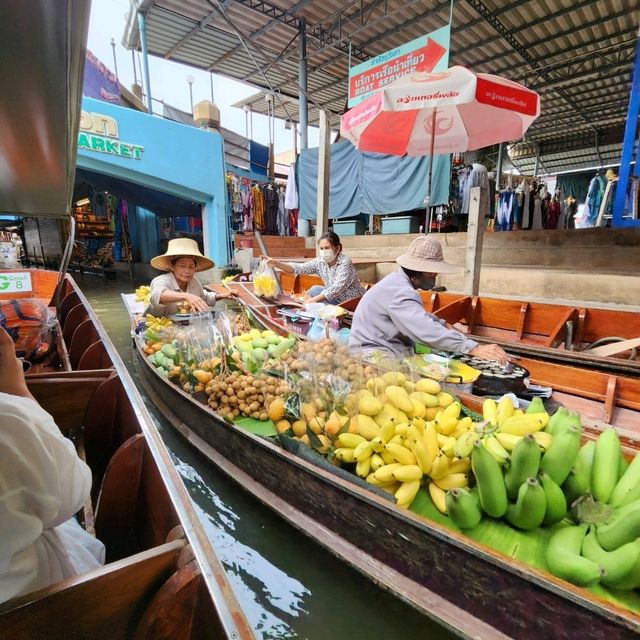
[427, 53]
[19, 282]
[100, 133]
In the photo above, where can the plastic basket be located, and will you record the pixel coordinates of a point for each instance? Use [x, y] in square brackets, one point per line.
[299, 325]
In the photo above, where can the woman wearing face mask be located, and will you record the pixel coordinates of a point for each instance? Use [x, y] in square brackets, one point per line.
[179, 285]
[391, 319]
[336, 270]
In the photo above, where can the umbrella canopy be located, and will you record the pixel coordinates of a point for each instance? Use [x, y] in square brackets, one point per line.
[433, 113]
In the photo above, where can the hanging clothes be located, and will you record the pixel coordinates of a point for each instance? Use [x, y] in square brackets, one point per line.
[595, 194]
[553, 214]
[270, 210]
[478, 177]
[257, 208]
[504, 221]
[536, 222]
[283, 218]
[291, 194]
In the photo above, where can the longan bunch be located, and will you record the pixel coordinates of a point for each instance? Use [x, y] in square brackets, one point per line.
[235, 394]
[239, 324]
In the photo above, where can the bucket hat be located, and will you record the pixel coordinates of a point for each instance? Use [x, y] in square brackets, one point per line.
[181, 248]
[425, 254]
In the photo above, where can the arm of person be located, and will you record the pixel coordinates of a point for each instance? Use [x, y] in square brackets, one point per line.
[283, 266]
[197, 303]
[12, 380]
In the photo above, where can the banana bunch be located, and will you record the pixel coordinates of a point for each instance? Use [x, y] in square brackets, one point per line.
[405, 433]
[153, 323]
[143, 293]
[605, 546]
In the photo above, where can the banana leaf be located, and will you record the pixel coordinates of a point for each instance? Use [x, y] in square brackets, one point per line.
[526, 546]
[257, 427]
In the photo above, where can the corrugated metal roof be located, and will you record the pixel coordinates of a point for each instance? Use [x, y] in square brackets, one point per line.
[576, 53]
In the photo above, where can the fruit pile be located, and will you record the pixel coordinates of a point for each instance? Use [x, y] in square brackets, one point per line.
[257, 346]
[233, 394]
[143, 294]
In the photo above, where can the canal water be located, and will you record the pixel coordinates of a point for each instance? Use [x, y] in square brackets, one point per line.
[287, 585]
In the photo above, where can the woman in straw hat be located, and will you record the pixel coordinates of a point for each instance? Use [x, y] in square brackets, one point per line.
[391, 318]
[170, 290]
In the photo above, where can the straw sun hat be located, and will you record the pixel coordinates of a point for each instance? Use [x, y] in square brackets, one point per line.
[425, 255]
[181, 248]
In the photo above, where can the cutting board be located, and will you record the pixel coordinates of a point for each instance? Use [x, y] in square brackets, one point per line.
[613, 348]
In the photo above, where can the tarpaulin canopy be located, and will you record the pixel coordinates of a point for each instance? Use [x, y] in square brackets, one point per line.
[370, 183]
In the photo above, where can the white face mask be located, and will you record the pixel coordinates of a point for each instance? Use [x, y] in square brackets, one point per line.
[327, 254]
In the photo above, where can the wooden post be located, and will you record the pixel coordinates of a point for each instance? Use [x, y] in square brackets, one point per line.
[324, 162]
[478, 206]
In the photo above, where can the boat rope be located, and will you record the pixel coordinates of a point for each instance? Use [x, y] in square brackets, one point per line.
[609, 340]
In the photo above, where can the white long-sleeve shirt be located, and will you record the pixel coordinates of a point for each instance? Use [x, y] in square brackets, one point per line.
[340, 280]
[391, 318]
[43, 483]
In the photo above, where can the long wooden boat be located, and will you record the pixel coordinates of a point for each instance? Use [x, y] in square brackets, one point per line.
[465, 586]
[162, 578]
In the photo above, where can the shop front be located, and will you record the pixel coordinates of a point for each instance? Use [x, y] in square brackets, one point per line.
[141, 180]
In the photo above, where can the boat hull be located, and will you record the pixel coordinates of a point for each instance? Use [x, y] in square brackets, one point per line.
[438, 565]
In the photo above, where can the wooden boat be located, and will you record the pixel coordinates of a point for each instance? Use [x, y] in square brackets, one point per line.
[465, 586]
[605, 389]
[162, 578]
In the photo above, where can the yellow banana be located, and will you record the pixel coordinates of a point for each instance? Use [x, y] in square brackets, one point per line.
[344, 454]
[376, 462]
[407, 473]
[447, 445]
[499, 453]
[505, 409]
[362, 451]
[363, 467]
[508, 440]
[385, 474]
[423, 457]
[418, 424]
[401, 429]
[377, 444]
[400, 453]
[407, 492]
[350, 440]
[522, 425]
[446, 424]
[388, 431]
[430, 439]
[371, 479]
[453, 481]
[440, 467]
[459, 465]
[438, 496]
[543, 438]
[397, 439]
[489, 411]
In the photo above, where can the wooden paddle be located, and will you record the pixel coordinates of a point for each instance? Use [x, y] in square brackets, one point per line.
[612, 349]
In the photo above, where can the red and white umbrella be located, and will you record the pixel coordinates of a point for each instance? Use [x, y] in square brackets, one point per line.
[432, 113]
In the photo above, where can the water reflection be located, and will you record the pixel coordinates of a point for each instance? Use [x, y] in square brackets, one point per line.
[288, 586]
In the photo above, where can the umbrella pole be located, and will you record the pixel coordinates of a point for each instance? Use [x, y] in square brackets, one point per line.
[428, 214]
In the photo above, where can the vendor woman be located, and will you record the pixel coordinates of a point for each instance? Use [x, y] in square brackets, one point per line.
[391, 319]
[336, 270]
[179, 285]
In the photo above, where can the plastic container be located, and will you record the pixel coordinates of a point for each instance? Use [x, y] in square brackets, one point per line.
[400, 224]
[349, 227]
[314, 308]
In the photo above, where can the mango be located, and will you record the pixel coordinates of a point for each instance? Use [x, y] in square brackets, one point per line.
[369, 406]
[366, 427]
[394, 378]
[399, 398]
[445, 399]
[428, 386]
[299, 428]
[276, 410]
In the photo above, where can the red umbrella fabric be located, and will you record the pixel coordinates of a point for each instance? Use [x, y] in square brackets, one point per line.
[433, 113]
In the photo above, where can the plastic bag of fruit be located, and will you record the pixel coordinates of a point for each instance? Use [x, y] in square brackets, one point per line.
[264, 281]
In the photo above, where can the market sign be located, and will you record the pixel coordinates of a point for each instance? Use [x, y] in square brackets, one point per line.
[427, 53]
[100, 133]
[19, 282]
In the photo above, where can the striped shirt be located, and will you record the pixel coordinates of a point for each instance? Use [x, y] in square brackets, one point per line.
[340, 280]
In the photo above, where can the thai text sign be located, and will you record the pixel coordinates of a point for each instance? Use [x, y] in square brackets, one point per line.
[427, 53]
[15, 282]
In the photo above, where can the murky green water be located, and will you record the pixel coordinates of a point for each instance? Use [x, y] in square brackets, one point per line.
[288, 586]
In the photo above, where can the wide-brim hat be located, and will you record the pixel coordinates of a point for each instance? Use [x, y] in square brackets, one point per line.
[181, 248]
[424, 254]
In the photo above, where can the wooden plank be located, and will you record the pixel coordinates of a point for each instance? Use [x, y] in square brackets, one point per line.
[106, 603]
[522, 320]
[454, 311]
[478, 206]
[614, 348]
[324, 167]
[610, 398]
[553, 338]
[75, 316]
[83, 337]
[473, 313]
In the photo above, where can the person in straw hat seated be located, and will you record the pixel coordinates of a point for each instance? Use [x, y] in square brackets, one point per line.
[179, 288]
[391, 319]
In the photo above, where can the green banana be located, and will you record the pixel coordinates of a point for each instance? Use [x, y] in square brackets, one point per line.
[606, 460]
[491, 489]
[536, 406]
[463, 508]
[561, 420]
[564, 559]
[627, 489]
[556, 501]
[616, 564]
[525, 463]
[529, 510]
[632, 579]
[464, 444]
[623, 527]
[624, 465]
[561, 455]
[578, 482]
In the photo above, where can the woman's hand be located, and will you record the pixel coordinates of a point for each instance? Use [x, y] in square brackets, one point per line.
[490, 352]
[11, 372]
[196, 302]
[268, 261]
[221, 295]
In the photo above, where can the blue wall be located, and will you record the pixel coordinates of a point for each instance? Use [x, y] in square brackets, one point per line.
[175, 158]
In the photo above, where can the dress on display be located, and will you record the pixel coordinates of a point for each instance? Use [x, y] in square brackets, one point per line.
[537, 213]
